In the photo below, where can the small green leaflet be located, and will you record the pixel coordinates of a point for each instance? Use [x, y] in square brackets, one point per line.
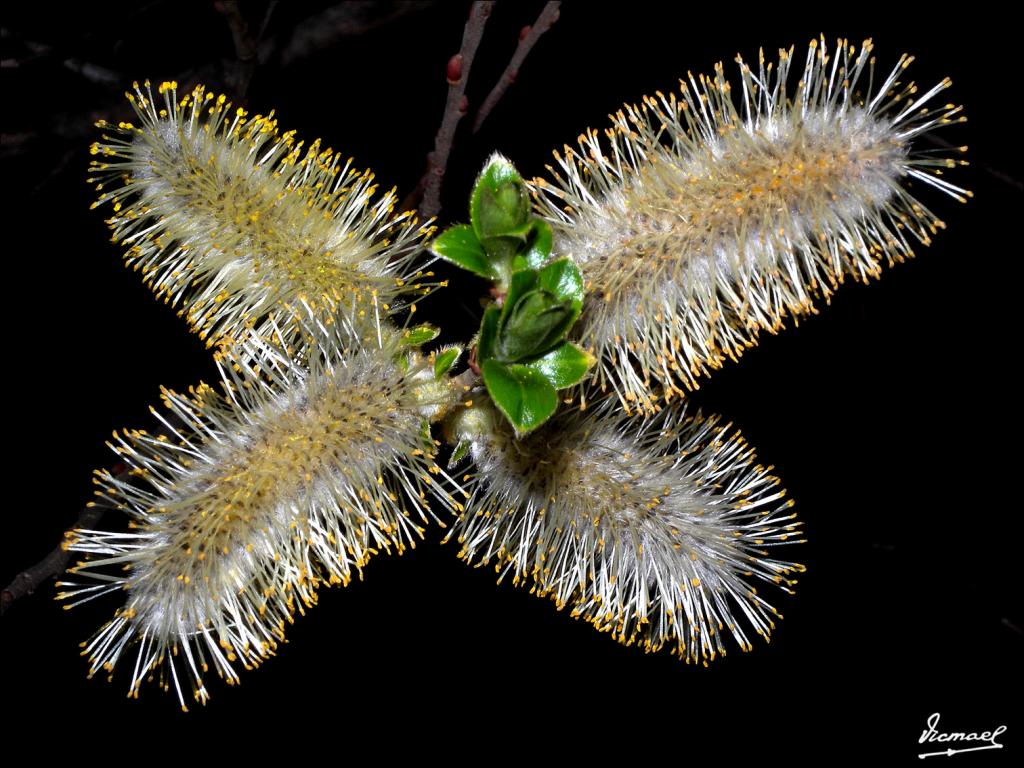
[522, 394]
[563, 366]
[460, 246]
[444, 360]
[421, 334]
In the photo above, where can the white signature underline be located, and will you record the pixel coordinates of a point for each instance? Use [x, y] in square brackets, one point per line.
[951, 752]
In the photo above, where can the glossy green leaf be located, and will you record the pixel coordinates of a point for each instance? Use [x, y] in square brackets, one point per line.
[499, 205]
[444, 360]
[460, 246]
[523, 395]
[536, 322]
[563, 279]
[503, 250]
[564, 366]
[421, 334]
[459, 453]
[488, 333]
[522, 282]
[538, 247]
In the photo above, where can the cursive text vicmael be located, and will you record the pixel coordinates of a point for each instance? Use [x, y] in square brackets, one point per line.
[934, 734]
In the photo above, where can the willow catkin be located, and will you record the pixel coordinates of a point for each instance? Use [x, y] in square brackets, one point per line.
[652, 530]
[291, 478]
[702, 221]
[241, 226]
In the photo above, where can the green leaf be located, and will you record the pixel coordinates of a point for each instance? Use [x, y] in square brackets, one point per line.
[521, 233]
[501, 252]
[444, 360]
[504, 249]
[500, 204]
[522, 282]
[523, 395]
[540, 308]
[564, 365]
[421, 334]
[537, 322]
[460, 246]
[538, 247]
[461, 449]
[488, 333]
[563, 279]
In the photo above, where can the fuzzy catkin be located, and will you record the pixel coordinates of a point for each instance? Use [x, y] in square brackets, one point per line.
[649, 529]
[292, 478]
[242, 227]
[702, 221]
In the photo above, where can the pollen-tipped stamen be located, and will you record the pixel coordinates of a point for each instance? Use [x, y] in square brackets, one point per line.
[238, 224]
[650, 530]
[699, 223]
[247, 501]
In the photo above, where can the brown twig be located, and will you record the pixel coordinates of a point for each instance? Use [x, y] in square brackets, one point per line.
[240, 74]
[1004, 177]
[271, 6]
[308, 36]
[55, 563]
[324, 29]
[92, 72]
[528, 37]
[428, 191]
[474, 366]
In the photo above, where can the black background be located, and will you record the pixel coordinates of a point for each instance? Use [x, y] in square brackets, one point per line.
[891, 416]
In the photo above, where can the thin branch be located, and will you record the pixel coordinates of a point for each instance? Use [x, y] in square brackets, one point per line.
[55, 563]
[429, 188]
[310, 35]
[1003, 176]
[239, 75]
[92, 72]
[528, 37]
[323, 30]
[271, 6]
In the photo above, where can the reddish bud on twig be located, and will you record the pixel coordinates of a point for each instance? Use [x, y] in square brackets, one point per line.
[454, 70]
[528, 37]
